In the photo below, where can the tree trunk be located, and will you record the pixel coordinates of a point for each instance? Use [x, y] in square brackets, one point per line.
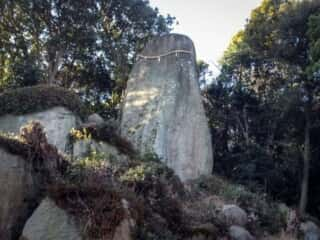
[54, 66]
[306, 163]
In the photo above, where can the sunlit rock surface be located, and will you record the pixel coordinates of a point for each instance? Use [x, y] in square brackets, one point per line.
[57, 123]
[49, 222]
[163, 111]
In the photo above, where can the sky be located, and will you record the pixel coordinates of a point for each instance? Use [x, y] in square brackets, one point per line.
[209, 23]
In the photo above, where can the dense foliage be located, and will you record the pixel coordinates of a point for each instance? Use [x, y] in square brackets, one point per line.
[87, 45]
[264, 106]
[40, 98]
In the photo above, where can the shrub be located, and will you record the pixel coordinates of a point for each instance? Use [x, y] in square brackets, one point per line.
[13, 145]
[32, 145]
[106, 134]
[97, 207]
[161, 191]
[268, 214]
[39, 98]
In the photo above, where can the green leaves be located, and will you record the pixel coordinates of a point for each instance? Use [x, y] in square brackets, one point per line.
[86, 44]
[313, 70]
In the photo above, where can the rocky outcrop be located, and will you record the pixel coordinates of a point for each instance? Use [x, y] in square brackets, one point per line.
[163, 111]
[57, 123]
[18, 194]
[50, 222]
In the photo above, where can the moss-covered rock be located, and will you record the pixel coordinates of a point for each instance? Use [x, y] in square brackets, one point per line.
[39, 98]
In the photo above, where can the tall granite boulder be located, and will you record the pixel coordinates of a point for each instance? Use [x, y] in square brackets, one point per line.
[163, 111]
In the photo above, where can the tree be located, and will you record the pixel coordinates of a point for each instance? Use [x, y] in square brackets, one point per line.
[87, 45]
[273, 61]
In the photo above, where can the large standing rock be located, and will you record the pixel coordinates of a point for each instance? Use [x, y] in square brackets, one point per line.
[49, 222]
[18, 194]
[163, 111]
[57, 123]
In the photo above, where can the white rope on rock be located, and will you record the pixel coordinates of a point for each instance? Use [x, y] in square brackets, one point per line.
[164, 55]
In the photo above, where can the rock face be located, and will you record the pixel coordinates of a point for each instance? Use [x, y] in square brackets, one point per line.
[234, 215]
[239, 233]
[163, 111]
[18, 193]
[57, 122]
[49, 222]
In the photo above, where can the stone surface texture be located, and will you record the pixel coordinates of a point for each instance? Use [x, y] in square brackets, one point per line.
[18, 194]
[234, 215]
[50, 222]
[239, 233]
[95, 119]
[57, 122]
[163, 111]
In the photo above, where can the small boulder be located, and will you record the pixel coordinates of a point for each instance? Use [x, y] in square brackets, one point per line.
[49, 222]
[234, 215]
[310, 230]
[239, 233]
[95, 119]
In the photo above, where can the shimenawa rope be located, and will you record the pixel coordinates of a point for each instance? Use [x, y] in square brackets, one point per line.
[164, 55]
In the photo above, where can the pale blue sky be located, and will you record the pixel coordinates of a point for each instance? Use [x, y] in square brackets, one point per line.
[210, 23]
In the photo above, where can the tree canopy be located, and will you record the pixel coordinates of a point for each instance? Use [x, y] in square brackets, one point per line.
[87, 45]
[264, 105]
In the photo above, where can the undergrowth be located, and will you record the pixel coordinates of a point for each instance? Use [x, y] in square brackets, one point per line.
[267, 214]
[106, 134]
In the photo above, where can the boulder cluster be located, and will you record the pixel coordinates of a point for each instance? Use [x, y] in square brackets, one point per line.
[66, 174]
